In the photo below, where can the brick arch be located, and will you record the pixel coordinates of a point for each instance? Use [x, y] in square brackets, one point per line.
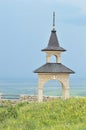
[61, 77]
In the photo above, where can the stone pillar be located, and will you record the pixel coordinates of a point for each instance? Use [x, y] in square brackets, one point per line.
[48, 58]
[40, 92]
[65, 93]
[56, 59]
[59, 59]
[65, 90]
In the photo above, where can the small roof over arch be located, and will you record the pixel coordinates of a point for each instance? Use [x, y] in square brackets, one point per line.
[53, 68]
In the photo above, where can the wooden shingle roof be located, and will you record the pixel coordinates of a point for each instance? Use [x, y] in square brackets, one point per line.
[53, 44]
[53, 68]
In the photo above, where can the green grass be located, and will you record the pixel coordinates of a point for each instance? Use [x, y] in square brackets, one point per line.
[54, 115]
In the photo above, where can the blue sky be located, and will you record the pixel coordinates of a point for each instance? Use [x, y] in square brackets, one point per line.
[25, 28]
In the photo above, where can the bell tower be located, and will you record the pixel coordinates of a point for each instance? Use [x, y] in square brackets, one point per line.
[53, 71]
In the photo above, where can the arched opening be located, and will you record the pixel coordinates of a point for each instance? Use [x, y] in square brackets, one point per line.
[52, 88]
[53, 59]
[62, 87]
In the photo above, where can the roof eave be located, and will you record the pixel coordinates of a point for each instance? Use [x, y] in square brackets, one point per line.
[55, 72]
[53, 50]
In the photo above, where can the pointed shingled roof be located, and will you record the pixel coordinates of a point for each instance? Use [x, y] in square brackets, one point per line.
[53, 39]
[53, 44]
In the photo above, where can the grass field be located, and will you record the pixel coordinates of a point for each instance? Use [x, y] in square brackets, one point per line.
[54, 115]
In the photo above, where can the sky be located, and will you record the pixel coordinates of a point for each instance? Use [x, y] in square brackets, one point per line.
[25, 28]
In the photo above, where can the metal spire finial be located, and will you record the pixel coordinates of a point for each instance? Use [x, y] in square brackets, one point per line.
[53, 20]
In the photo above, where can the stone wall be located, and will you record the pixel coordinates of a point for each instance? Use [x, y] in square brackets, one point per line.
[35, 98]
